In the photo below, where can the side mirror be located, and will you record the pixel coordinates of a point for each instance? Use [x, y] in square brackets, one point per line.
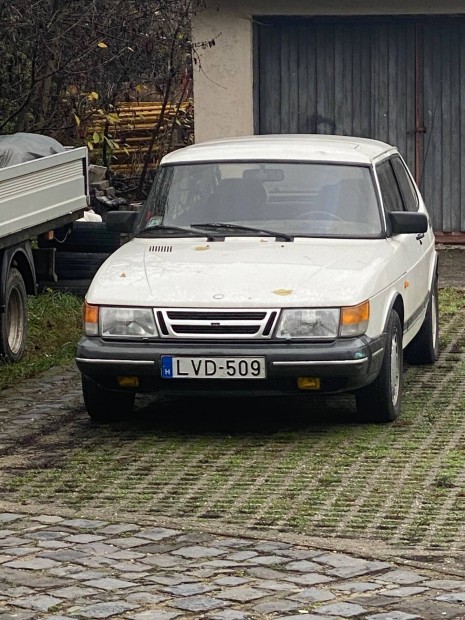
[404, 222]
[121, 221]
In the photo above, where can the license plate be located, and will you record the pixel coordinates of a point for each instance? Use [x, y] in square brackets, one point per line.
[212, 367]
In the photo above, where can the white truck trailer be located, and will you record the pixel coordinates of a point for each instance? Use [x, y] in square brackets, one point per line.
[36, 198]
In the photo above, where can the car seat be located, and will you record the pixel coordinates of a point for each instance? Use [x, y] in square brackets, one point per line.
[236, 200]
[343, 199]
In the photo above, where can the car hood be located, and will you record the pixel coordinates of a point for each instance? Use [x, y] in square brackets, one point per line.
[237, 272]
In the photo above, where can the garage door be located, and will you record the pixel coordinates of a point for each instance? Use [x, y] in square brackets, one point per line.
[394, 79]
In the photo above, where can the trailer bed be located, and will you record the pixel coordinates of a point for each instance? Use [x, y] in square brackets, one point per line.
[42, 194]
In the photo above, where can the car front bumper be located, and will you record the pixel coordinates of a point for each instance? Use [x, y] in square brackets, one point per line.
[340, 366]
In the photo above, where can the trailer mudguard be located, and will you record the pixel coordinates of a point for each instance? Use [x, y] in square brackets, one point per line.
[21, 257]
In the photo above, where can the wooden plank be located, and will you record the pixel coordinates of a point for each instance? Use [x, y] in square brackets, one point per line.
[132, 131]
[304, 88]
[433, 119]
[445, 126]
[461, 126]
[408, 149]
[342, 99]
[325, 122]
[382, 79]
[365, 45]
[270, 76]
[285, 80]
[395, 112]
[311, 89]
[454, 203]
[293, 81]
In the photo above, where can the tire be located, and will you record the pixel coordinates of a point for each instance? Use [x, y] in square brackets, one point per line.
[75, 287]
[380, 401]
[14, 320]
[103, 405]
[78, 265]
[84, 237]
[424, 348]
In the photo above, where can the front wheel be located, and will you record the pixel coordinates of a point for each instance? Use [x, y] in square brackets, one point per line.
[103, 405]
[381, 400]
[14, 318]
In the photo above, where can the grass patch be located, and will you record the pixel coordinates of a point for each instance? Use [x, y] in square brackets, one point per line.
[54, 329]
[451, 300]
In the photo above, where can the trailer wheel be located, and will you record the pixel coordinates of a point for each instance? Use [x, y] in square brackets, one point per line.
[13, 321]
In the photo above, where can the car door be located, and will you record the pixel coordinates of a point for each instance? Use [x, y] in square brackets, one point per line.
[413, 250]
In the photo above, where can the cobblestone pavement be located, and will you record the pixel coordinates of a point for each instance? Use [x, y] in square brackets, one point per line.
[60, 563]
[66, 568]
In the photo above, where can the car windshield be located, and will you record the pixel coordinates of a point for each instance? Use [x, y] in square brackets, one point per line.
[295, 199]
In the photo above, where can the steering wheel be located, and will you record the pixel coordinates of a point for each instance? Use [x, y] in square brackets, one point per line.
[315, 215]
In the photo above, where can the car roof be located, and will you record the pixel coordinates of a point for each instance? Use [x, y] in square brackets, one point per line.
[283, 147]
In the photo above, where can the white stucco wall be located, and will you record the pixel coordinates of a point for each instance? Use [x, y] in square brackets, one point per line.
[223, 73]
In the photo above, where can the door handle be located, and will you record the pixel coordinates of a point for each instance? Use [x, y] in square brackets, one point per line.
[419, 237]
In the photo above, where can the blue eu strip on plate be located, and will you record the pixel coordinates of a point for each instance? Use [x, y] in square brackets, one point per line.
[167, 367]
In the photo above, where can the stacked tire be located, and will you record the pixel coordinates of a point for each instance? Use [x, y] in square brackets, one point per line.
[80, 252]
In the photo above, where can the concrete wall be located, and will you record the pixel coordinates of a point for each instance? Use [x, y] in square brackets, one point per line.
[223, 73]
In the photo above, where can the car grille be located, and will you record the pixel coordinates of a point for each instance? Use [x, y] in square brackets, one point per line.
[211, 324]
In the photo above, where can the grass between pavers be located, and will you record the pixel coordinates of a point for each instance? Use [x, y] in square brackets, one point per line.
[293, 466]
[55, 323]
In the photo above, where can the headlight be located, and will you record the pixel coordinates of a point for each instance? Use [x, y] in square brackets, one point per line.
[313, 323]
[127, 322]
[320, 323]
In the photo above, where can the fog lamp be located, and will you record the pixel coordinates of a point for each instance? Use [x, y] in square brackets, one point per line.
[308, 383]
[128, 381]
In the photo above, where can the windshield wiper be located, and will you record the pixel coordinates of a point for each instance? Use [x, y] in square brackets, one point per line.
[169, 229]
[262, 231]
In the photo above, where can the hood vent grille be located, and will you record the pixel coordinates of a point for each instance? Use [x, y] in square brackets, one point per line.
[161, 248]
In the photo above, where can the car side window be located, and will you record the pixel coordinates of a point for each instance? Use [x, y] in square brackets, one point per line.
[390, 192]
[407, 188]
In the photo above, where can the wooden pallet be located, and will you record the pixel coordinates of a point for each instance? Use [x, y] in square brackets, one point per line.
[130, 128]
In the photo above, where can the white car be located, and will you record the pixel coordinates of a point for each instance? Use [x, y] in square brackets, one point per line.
[273, 264]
